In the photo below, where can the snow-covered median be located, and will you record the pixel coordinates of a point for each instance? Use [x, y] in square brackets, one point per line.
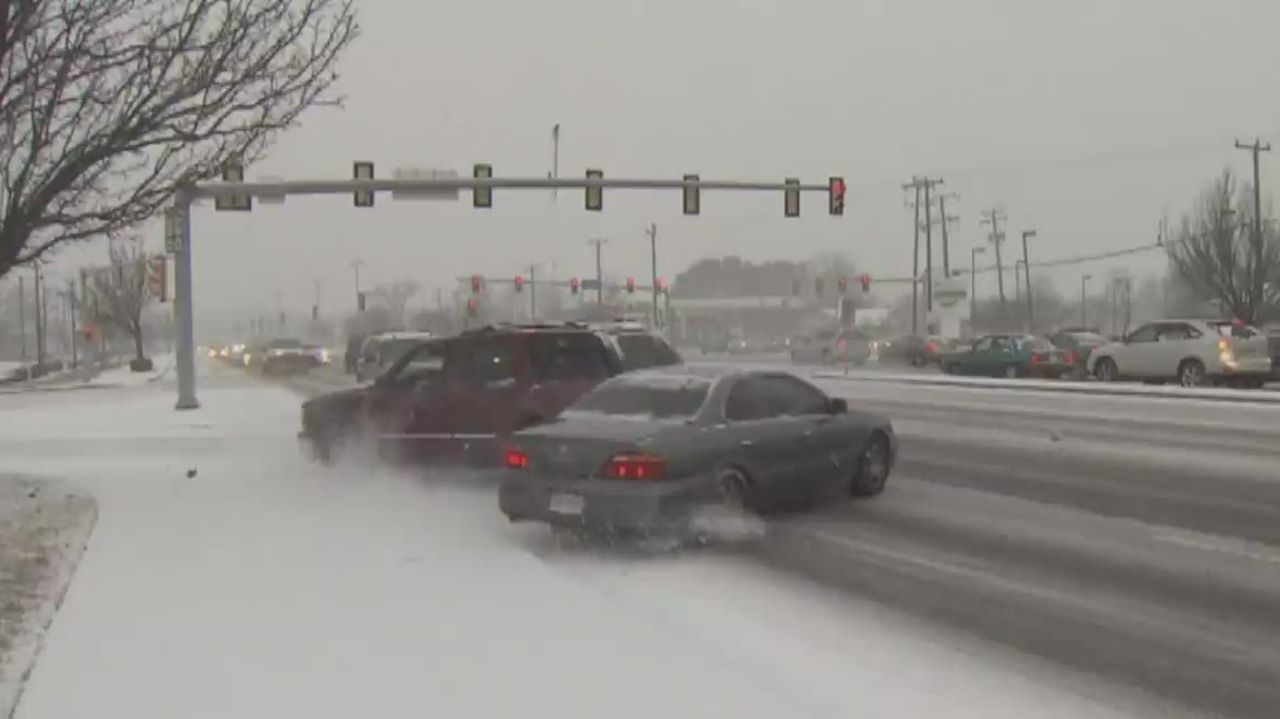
[124, 377]
[43, 530]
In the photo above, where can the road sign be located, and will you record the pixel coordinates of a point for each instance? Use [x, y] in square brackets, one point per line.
[270, 197]
[791, 197]
[172, 230]
[419, 173]
[591, 284]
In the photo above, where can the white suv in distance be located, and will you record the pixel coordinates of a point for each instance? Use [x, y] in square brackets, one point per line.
[1191, 352]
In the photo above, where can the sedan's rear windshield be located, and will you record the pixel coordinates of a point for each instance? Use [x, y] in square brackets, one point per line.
[675, 398]
[642, 350]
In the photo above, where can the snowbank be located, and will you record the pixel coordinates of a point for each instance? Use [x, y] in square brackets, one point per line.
[43, 530]
[124, 377]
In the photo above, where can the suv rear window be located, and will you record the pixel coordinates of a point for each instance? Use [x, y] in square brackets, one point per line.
[569, 356]
[1231, 329]
[643, 350]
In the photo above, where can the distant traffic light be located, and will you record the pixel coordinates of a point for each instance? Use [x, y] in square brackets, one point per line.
[519, 283]
[631, 285]
[791, 197]
[865, 279]
[835, 196]
[233, 171]
[473, 307]
[363, 171]
[842, 283]
[482, 197]
[659, 285]
[575, 284]
[476, 282]
[595, 194]
[692, 196]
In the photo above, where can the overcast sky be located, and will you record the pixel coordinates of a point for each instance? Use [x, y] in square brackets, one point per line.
[1087, 120]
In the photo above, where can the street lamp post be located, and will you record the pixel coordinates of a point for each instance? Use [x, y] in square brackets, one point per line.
[599, 242]
[1084, 313]
[973, 283]
[1026, 269]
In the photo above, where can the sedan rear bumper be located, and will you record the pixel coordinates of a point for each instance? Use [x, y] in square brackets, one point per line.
[609, 504]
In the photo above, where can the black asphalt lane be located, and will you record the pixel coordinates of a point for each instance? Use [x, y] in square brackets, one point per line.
[1132, 540]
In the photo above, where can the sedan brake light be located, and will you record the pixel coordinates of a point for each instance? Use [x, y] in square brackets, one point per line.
[1038, 358]
[1069, 358]
[635, 466]
[516, 459]
[932, 347]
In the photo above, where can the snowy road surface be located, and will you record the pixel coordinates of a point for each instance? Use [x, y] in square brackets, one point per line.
[229, 577]
[1136, 538]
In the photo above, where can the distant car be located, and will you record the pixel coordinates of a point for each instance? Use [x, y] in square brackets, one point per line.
[1008, 356]
[457, 397]
[643, 452]
[1190, 352]
[915, 350]
[380, 351]
[831, 345]
[1078, 344]
[286, 355]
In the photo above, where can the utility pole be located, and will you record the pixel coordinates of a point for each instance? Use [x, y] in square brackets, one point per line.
[946, 221]
[653, 261]
[555, 159]
[928, 185]
[1017, 282]
[1026, 268]
[22, 314]
[599, 242]
[1259, 275]
[355, 267]
[993, 217]
[1084, 288]
[973, 283]
[915, 254]
[533, 294]
[39, 314]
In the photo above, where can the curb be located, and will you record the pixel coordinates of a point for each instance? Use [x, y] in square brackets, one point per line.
[1244, 397]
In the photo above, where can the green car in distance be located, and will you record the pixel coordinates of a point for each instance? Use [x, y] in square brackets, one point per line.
[1009, 355]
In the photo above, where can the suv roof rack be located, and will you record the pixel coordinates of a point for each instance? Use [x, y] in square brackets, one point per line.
[514, 326]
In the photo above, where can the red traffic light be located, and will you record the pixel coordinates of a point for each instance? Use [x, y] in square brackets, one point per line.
[631, 284]
[835, 195]
[659, 285]
[476, 281]
[574, 285]
[865, 279]
[472, 307]
[519, 283]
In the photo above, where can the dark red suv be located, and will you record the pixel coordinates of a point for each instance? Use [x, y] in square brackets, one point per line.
[459, 397]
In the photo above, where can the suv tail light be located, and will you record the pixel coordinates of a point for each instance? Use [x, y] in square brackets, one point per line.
[635, 466]
[516, 459]
[1069, 358]
[932, 347]
[1038, 358]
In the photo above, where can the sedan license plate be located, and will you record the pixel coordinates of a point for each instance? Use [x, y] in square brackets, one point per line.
[562, 503]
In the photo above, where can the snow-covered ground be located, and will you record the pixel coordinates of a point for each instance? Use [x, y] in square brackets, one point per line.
[124, 377]
[230, 577]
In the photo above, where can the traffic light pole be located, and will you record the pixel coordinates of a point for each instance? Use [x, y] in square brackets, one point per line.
[188, 195]
[182, 303]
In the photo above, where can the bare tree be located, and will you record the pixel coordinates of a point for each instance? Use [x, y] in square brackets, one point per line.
[1217, 252]
[119, 293]
[106, 106]
[394, 297]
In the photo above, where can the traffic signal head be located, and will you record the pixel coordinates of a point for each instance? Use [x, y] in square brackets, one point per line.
[473, 307]
[865, 279]
[574, 285]
[363, 171]
[659, 285]
[791, 197]
[476, 281]
[595, 194]
[692, 198]
[835, 195]
[631, 285]
[482, 196]
[842, 283]
[519, 283]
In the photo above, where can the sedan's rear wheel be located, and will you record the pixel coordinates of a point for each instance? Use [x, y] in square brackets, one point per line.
[1105, 370]
[735, 488]
[873, 467]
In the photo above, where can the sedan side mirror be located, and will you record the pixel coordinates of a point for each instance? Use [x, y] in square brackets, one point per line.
[837, 405]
